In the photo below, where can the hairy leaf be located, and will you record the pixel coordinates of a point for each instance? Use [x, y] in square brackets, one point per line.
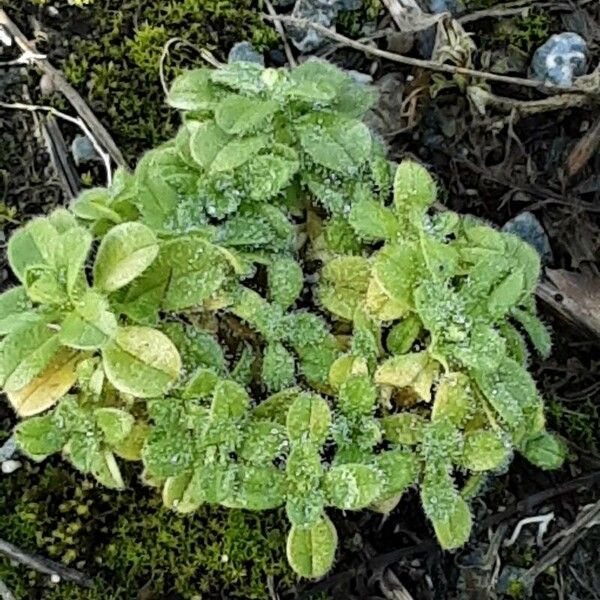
[125, 253]
[311, 552]
[141, 361]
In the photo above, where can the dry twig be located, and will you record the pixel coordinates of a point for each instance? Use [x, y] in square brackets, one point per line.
[282, 34]
[428, 64]
[95, 130]
[5, 593]
[44, 565]
[75, 120]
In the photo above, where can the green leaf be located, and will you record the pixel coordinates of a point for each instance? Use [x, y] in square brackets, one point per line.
[506, 294]
[106, 470]
[230, 401]
[90, 325]
[174, 489]
[193, 91]
[39, 436]
[484, 451]
[448, 512]
[373, 221]
[510, 390]
[32, 245]
[201, 384]
[71, 252]
[311, 552]
[403, 335]
[403, 428]
[25, 353]
[337, 144]
[544, 450]
[206, 141]
[414, 188]
[415, 370]
[156, 200]
[400, 470]
[308, 419]
[264, 441]
[345, 367]
[278, 367]
[242, 114]
[15, 310]
[260, 488]
[125, 252]
[344, 283]
[304, 472]
[536, 330]
[94, 205]
[44, 390]
[275, 408]
[454, 399]
[187, 272]
[237, 152]
[352, 486]
[116, 424]
[286, 281]
[315, 81]
[357, 396]
[141, 361]
[45, 285]
[62, 220]
[454, 530]
[395, 269]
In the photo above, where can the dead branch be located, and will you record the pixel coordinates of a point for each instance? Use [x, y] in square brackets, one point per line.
[282, 34]
[431, 65]
[61, 84]
[59, 155]
[528, 503]
[5, 593]
[584, 149]
[44, 565]
[586, 519]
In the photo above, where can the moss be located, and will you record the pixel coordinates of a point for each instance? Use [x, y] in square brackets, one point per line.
[115, 65]
[524, 32]
[129, 541]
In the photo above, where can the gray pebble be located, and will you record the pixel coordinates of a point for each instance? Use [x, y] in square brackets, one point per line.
[83, 150]
[245, 52]
[8, 448]
[439, 6]
[560, 59]
[10, 466]
[528, 228]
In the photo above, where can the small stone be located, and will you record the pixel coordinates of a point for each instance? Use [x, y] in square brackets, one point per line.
[245, 52]
[8, 448]
[452, 6]
[10, 466]
[323, 12]
[528, 228]
[560, 59]
[5, 37]
[83, 150]
[55, 578]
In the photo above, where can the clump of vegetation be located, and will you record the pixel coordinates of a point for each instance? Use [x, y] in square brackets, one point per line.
[131, 542]
[186, 338]
[116, 63]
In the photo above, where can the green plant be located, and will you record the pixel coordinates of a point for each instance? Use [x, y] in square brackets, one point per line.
[199, 262]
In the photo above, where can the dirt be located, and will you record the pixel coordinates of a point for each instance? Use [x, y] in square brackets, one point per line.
[496, 166]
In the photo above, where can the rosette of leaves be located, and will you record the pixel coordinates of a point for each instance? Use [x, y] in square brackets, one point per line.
[452, 298]
[56, 317]
[91, 427]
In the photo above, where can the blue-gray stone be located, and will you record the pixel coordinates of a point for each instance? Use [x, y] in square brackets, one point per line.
[8, 449]
[83, 150]
[245, 52]
[560, 59]
[529, 229]
[323, 12]
[439, 6]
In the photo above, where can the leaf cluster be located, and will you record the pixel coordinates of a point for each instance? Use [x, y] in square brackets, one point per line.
[159, 320]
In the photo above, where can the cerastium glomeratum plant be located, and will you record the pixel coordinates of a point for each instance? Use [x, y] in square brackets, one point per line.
[177, 319]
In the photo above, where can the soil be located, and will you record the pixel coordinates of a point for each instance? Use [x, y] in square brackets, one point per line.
[496, 166]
